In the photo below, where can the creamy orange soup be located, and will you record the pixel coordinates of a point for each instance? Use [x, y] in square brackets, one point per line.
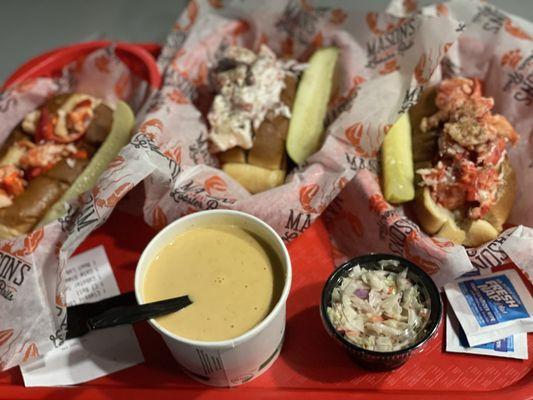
[232, 278]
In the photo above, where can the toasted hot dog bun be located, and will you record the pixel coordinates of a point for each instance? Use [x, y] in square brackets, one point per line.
[424, 143]
[439, 221]
[431, 215]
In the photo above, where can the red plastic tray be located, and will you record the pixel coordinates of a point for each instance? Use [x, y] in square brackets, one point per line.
[310, 366]
[138, 57]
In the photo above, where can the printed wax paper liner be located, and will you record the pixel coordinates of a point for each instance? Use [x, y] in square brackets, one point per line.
[498, 49]
[372, 89]
[32, 303]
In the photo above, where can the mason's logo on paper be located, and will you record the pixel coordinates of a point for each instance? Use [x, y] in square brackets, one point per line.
[358, 163]
[410, 98]
[12, 274]
[87, 215]
[520, 77]
[202, 197]
[296, 224]
[393, 39]
[307, 195]
[146, 139]
[489, 255]
[199, 150]
[490, 19]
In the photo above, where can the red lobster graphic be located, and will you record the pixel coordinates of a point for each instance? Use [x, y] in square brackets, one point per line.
[30, 244]
[354, 134]
[215, 184]
[159, 218]
[515, 31]
[192, 13]
[115, 197]
[5, 335]
[307, 194]
[147, 127]
[511, 58]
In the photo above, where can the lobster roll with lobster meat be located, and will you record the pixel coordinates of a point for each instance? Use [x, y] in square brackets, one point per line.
[466, 183]
[56, 153]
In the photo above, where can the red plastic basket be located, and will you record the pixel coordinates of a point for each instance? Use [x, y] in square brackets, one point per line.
[140, 58]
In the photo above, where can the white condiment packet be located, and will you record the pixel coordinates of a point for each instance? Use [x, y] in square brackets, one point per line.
[89, 278]
[492, 306]
[519, 248]
[514, 346]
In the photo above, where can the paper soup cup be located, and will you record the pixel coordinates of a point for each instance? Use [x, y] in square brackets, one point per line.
[234, 361]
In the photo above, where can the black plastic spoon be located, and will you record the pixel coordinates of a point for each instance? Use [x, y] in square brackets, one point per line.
[118, 310]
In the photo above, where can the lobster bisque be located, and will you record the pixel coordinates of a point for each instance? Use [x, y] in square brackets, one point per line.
[231, 277]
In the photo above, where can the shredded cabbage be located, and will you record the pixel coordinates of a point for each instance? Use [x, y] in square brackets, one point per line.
[378, 310]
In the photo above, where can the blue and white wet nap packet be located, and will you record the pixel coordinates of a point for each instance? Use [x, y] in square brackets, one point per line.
[514, 346]
[492, 306]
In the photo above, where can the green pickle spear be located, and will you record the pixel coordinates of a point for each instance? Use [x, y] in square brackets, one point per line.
[397, 162]
[310, 105]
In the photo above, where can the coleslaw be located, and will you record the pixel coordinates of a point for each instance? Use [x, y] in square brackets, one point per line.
[378, 310]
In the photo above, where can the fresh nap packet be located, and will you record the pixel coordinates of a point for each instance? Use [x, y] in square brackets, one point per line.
[492, 306]
[511, 347]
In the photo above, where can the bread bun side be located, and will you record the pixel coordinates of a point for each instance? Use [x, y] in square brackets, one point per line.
[424, 144]
[451, 231]
[439, 221]
[431, 216]
[478, 232]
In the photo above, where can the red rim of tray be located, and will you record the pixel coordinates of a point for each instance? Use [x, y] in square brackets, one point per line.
[140, 58]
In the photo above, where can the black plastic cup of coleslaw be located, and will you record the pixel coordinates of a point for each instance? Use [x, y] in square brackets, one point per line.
[429, 293]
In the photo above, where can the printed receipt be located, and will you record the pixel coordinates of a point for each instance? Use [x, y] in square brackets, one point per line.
[89, 278]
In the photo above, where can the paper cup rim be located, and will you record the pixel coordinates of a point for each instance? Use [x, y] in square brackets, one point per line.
[228, 343]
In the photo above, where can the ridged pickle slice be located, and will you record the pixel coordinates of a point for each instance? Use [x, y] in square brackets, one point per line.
[309, 110]
[397, 162]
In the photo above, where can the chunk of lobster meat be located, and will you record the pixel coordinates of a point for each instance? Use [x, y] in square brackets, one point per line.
[462, 96]
[451, 196]
[12, 181]
[46, 154]
[453, 93]
[491, 153]
[498, 125]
